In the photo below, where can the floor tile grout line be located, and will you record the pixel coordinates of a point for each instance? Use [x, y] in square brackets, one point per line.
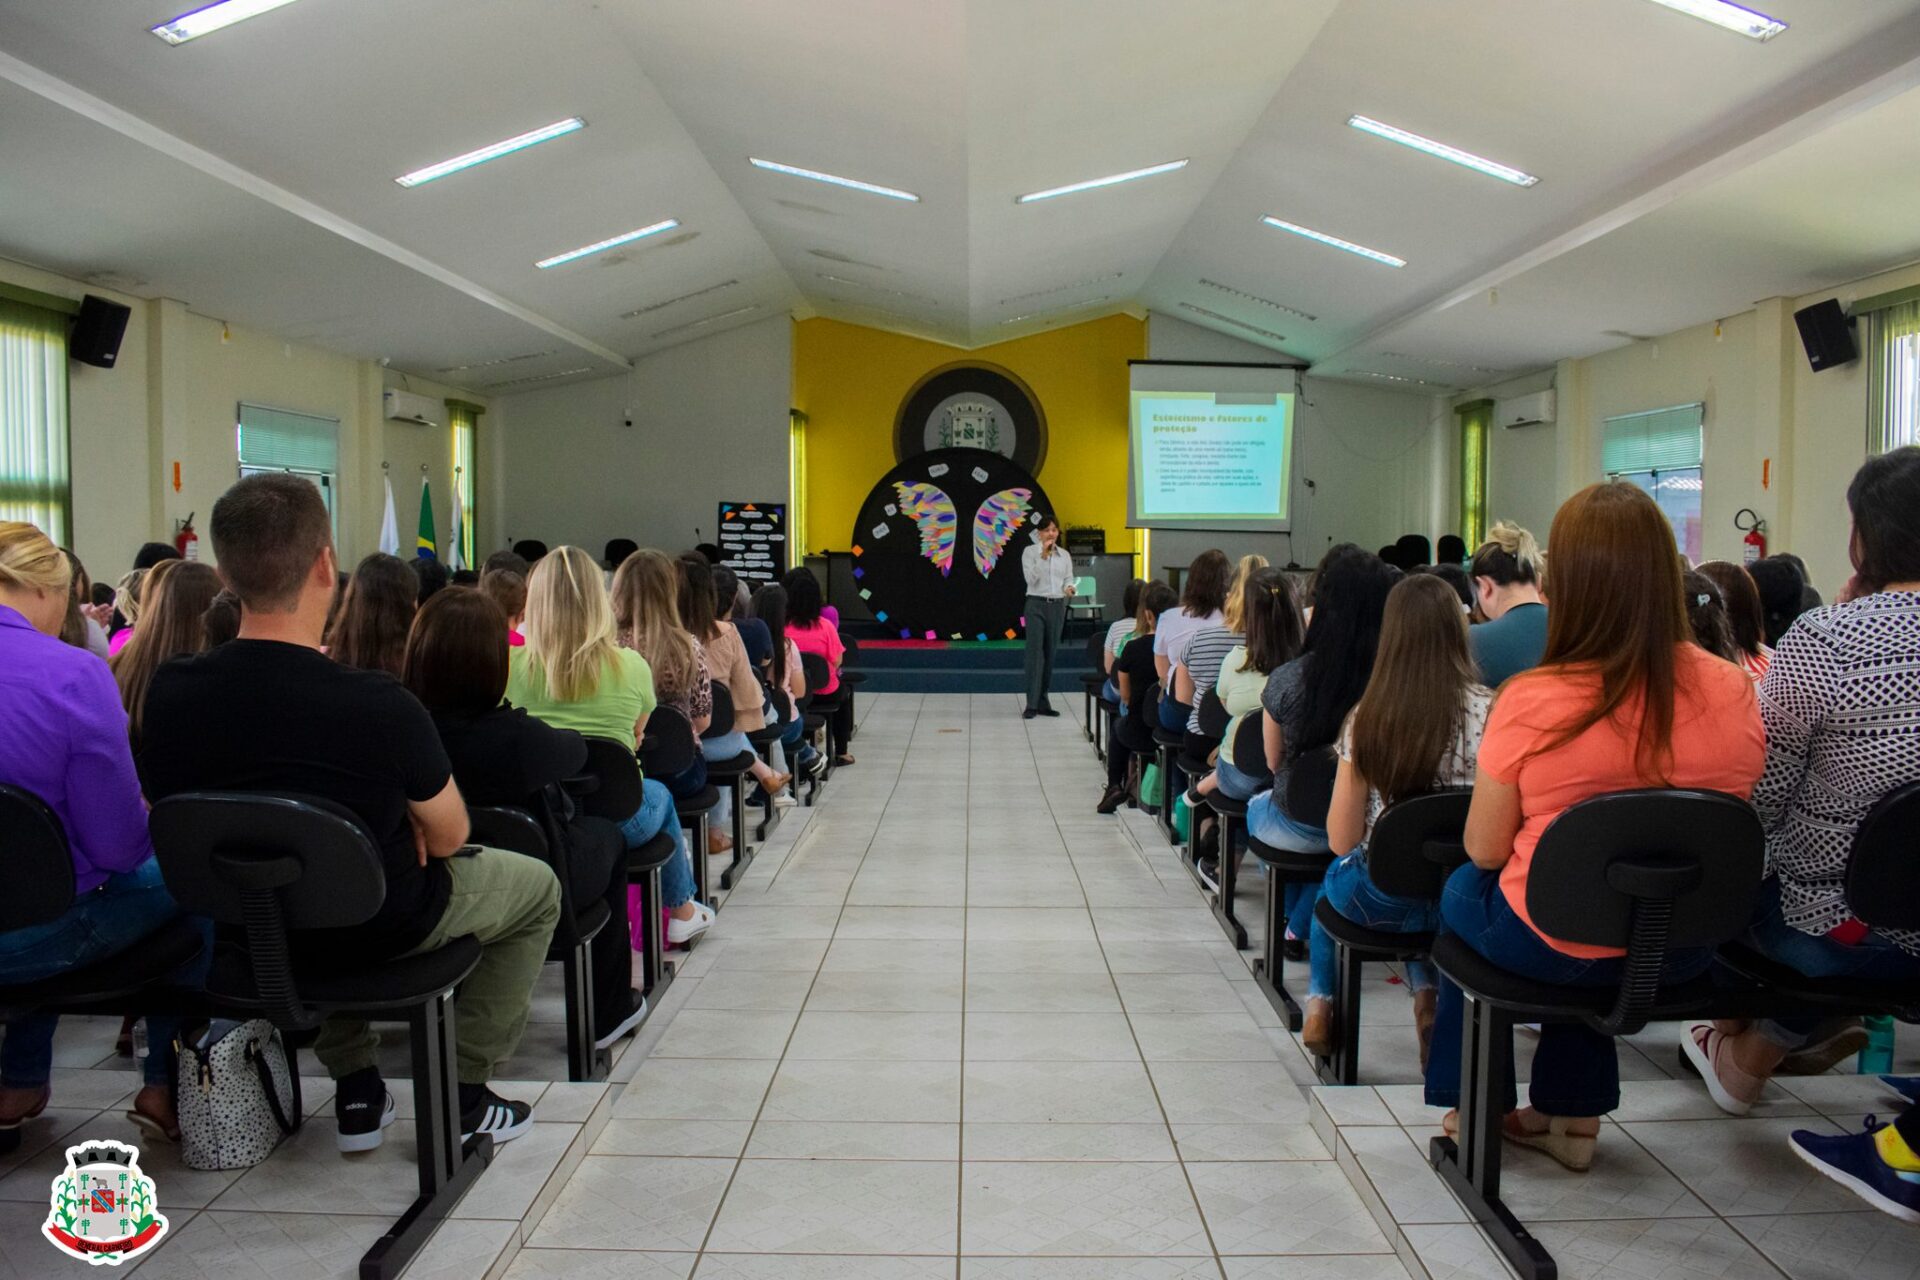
[740, 1160]
[1185, 1174]
[966, 919]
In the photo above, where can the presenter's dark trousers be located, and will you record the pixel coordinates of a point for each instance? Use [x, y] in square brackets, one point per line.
[1045, 618]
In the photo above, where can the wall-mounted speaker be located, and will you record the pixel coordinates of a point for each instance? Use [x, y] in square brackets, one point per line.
[97, 331]
[1827, 334]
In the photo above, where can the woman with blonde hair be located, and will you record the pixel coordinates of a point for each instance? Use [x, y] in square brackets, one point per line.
[573, 674]
[126, 608]
[177, 595]
[1508, 572]
[1250, 564]
[646, 619]
[66, 743]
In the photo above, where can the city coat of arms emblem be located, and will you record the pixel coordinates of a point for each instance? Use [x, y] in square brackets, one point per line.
[103, 1208]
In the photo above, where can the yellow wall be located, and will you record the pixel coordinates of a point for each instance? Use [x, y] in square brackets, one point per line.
[849, 380]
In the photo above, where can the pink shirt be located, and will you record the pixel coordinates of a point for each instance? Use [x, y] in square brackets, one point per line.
[818, 637]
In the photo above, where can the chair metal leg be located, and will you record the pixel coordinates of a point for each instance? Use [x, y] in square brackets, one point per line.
[696, 829]
[742, 851]
[1086, 712]
[1269, 971]
[1190, 856]
[1471, 1167]
[1343, 1067]
[656, 974]
[1223, 898]
[447, 1166]
[584, 1062]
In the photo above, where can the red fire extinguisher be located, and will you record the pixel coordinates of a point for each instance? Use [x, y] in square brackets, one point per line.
[1755, 543]
[185, 540]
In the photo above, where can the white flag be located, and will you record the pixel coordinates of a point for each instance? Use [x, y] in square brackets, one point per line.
[389, 527]
[456, 559]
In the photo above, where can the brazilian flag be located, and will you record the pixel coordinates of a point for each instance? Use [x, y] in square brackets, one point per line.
[425, 547]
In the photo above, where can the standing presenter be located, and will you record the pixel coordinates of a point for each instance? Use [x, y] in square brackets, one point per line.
[1049, 569]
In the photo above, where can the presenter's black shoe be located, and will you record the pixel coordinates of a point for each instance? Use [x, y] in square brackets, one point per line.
[1049, 711]
[1028, 714]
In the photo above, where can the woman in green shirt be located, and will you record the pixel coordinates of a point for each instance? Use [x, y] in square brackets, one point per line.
[572, 674]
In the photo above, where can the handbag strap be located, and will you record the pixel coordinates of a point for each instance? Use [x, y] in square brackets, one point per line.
[258, 1057]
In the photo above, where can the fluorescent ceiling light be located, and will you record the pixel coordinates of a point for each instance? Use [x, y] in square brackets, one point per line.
[558, 129]
[213, 17]
[1334, 241]
[1479, 164]
[852, 184]
[602, 246]
[1090, 184]
[1734, 17]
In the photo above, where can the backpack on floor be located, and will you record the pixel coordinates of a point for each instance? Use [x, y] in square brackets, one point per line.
[238, 1095]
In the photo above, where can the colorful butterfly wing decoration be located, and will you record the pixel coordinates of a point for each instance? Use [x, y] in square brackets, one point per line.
[932, 510]
[994, 524]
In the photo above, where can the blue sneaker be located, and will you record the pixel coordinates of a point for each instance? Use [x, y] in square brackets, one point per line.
[1907, 1087]
[1854, 1162]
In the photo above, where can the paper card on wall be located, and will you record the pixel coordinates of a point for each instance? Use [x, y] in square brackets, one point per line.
[932, 636]
[879, 531]
[937, 469]
[892, 510]
[859, 573]
[980, 474]
[865, 594]
[881, 615]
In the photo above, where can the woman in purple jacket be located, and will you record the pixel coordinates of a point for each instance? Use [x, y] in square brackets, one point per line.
[66, 742]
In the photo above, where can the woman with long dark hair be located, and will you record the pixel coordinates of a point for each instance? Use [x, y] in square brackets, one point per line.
[1049, 570]
[1622, 698]
[1133, 673]
[811, 632]
[172, 623]
[786, 682]
[1275, 631]
[1745, 618]
[376, 611]
[1416, 728]
[1203, 602]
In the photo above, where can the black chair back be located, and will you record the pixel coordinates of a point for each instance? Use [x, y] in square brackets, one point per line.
[1417, 843]
[1213, 716]
[817, 671]
[1648, 871]
[1250, 747]
[721, 723]
[616, 794]
[530, 549]
[1310, 785]
[268, 864]
[1097, 650]
[35, 863]
[514, 830]
[1883, 872]
[668, 746]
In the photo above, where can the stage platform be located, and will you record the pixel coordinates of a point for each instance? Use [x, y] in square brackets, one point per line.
[934, 666]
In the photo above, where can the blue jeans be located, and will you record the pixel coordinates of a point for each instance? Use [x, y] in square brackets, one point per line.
[1271, 825]
[1575, 1071]
[656, 814]
[1354, 895]
[725, 747]
[102, 923]
[1173, 715]
[1234, 784]
[1109, 692]
[1874, 959]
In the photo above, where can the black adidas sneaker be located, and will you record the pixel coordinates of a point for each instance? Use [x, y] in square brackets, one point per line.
[363, 1109]
[500, 1118]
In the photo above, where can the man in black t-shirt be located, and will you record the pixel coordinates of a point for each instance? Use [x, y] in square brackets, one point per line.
[270, 712]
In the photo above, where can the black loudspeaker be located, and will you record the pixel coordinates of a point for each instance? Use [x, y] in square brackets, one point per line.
[1827, 335]
[97, 332]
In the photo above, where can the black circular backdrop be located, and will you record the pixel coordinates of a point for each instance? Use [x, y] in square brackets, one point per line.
[902, 585]
[1029, 424]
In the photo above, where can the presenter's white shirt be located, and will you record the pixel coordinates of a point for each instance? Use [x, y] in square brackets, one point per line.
[1047, 576]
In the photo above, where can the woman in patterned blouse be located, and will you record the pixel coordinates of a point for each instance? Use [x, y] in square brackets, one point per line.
[1841, 703]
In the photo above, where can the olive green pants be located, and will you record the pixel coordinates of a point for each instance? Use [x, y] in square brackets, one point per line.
[509, 904]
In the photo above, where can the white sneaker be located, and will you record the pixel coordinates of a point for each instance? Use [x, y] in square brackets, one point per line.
[784, 800]
[680, 932]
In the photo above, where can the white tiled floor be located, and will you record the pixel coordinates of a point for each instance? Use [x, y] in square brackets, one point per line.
[956, 1026]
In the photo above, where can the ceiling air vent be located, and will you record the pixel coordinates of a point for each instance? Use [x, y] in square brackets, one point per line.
[1254, 297]
[697, 293]
[1238, 324]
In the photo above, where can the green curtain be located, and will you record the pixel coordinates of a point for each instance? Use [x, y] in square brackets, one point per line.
[1475, 420]
[35, 484]
[465, 418]
[1893, 378]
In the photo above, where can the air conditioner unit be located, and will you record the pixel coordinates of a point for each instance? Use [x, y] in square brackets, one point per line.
[1525, 411]
[407, 406]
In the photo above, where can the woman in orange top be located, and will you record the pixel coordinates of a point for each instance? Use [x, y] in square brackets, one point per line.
[1622, 698]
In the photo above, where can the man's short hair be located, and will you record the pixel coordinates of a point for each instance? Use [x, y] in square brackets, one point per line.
[267, 532]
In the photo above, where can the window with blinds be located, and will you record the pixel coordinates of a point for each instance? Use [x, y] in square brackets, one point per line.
[1661, 451]
[280, 440]
[34, 479]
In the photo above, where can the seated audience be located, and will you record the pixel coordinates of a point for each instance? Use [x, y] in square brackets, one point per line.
[511, 561]
[126, 610]
[178, 594]
[1746, 621]
[1275, 632]
[66, 743]
[1809, 594]
[1450, 550]
[786, 682]
[431, 576]
[222, 619]
[1507, 573]
[1416, 728]
[508, 591]
[1121, 629]
[81, 627]
[359, 739]
[464, 578]
[1198, 665]
[376, 611]
[1306, 701]
[456, 664]
[1455, 576]
[812, 632]
[529, 551]
[1621, 699]
[1203, 598]
[1782, 589]
[153, 553]
[1841, 706]
[646, 618]
[1707, 615]
[727, 661]
[573, 674]
[730, 596]
[1135, 678]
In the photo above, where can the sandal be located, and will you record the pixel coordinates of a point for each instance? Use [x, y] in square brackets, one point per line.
[842, 760]
[1573, 1151]
[32, 1112]
[1708, 1050]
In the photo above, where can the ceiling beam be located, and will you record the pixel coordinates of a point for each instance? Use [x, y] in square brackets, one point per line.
[125, 123]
